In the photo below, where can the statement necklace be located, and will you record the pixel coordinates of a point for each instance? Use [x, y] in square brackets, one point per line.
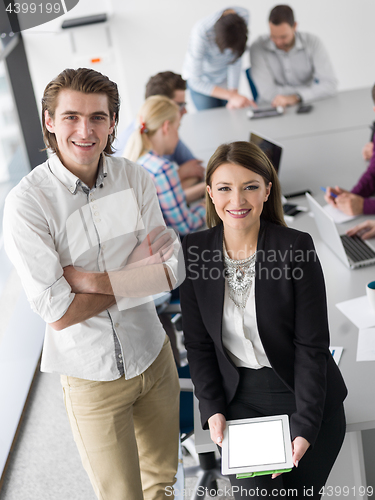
[239, 275]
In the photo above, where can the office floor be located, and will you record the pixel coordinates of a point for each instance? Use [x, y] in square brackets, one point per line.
[44, 463]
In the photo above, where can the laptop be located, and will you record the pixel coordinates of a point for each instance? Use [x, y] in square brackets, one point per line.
[270, 148]
[274, 152]
[352, 250]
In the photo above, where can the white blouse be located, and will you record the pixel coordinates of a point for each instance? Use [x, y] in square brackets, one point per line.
[240, 333]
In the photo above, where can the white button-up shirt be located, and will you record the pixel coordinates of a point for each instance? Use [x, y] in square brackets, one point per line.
[52, 220]
[240, 333]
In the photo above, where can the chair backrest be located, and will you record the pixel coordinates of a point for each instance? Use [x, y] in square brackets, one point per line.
[186, 404]
[252, 84]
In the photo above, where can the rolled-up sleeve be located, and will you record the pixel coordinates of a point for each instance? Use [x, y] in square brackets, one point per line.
[30, 247]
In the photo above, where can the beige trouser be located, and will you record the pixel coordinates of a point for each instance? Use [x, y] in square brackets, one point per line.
[127, 431]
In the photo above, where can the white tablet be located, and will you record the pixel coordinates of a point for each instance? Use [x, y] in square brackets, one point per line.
[257, 446]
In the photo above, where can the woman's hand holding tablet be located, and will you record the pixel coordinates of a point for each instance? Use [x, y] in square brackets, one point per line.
[217, 424]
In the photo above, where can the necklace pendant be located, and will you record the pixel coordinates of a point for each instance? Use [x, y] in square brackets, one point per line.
[240, 274]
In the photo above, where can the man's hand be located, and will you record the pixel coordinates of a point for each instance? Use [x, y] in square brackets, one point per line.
[191, 168]
[152, 250]
[217, 424]
[367, 151]
[237, 100]
[299, 447]
[285, 100]
[365, 230]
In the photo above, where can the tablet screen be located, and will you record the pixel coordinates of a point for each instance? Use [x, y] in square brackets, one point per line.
[258, 443]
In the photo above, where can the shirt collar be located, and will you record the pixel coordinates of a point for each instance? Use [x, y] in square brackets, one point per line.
[71, 181]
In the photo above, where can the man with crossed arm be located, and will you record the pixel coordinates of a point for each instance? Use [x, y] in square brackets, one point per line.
[87, 237]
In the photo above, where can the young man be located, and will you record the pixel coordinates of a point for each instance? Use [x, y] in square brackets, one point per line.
[288, 66]
[212, 63]
[173, 86]
[86, 235]
[360, 199]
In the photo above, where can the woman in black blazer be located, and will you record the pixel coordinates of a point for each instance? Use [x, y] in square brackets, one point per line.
[255, 321]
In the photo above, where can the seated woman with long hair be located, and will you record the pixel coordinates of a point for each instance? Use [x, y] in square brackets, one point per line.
[156, 136]
[255, 321]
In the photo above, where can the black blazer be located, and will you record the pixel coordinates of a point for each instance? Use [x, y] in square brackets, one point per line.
[291, 313]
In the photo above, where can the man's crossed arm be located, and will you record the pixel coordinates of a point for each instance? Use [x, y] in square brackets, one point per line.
[144, 274]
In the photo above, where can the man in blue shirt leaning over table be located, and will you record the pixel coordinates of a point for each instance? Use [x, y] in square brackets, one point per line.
[212, 63]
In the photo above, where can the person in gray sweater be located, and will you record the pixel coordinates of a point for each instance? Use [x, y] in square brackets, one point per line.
[288, 66]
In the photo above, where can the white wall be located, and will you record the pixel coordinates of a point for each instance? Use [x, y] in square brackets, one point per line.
[151, 36]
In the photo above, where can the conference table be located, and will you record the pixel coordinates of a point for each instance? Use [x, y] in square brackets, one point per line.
[320, 148]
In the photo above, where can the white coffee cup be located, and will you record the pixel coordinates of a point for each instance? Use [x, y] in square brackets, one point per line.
[370, 292]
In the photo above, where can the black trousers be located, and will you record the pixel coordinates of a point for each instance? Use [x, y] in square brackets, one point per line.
[262, 393]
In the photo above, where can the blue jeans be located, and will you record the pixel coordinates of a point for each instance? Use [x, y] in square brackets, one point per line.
[202, 101]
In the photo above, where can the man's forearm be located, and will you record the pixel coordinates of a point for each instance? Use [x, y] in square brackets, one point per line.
[128, 282]
[83, 307]
[222, 93]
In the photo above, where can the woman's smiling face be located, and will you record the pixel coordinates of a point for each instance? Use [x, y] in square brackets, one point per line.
[238, 195]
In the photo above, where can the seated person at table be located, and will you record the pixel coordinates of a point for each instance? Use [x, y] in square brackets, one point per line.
[357, 201]
[156, 136]
[255, 322]
[288, 66]
[171, 85]
[212, 64]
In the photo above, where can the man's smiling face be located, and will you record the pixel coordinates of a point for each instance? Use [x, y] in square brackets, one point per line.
[81, 125]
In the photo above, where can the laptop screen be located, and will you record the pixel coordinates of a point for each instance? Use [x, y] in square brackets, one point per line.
[272, 150]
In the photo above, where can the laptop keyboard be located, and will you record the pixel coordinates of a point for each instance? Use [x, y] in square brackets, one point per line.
[356, 249]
